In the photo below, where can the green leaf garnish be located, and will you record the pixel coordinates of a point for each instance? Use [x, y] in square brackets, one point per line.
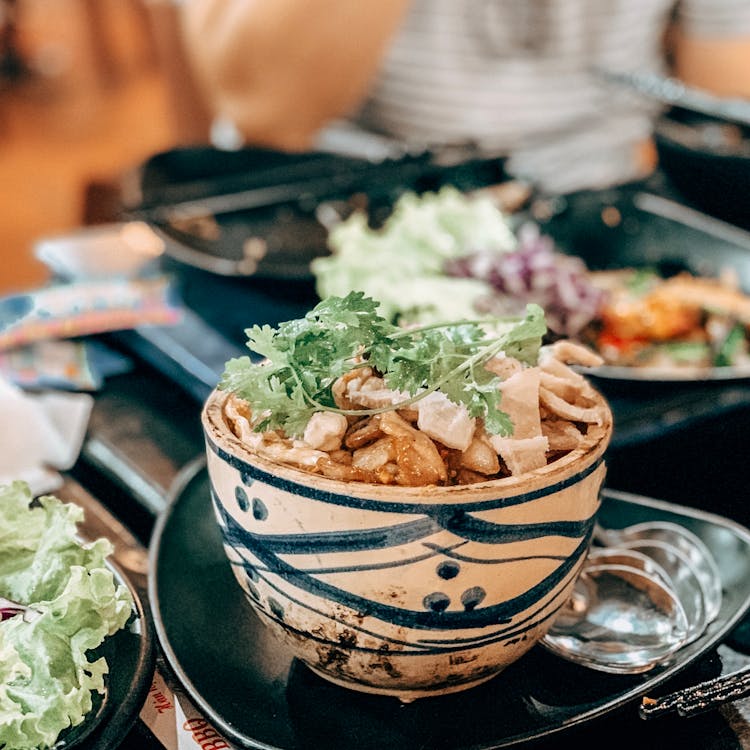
[730, 347]
[305, 357]
[641, 281]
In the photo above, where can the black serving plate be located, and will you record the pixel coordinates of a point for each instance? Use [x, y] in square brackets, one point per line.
[259, 212]
[130, 654]
[637, 227]
[259, 696]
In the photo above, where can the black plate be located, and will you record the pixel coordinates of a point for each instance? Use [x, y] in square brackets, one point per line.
[259, 696]
[674, 374]
[206, 204]
[639, 226]
[130, 654]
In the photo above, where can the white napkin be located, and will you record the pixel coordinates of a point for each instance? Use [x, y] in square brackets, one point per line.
[40, 435]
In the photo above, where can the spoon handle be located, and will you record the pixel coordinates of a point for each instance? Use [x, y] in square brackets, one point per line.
[698, 698]
[673, 92]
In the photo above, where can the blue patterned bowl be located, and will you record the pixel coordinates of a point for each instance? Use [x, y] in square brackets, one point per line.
[405, 591]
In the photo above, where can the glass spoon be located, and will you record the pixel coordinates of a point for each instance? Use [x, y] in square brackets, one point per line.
[683, 581]
[630, 557]
[688, 544]
[619, 619]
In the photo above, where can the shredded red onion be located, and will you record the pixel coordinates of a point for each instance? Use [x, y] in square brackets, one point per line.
[9, 608]
[537, 272]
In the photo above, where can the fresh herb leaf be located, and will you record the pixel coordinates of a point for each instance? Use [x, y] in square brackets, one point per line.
[524, 340]
[731, 347]
[304, 358]
[686, 352]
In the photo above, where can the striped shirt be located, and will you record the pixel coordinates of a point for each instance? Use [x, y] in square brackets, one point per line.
[515, 78]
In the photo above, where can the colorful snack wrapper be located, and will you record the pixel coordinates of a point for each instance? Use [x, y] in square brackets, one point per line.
[175, 722]
[85, 308]
[49, 364]
[67, 365]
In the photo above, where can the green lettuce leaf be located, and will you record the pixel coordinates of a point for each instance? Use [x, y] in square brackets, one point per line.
[46, 678]
[401, 264]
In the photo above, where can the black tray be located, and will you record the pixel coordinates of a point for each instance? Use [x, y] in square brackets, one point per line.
[257, 212]
[259, 696]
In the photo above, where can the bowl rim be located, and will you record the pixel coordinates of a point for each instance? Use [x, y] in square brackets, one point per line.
[563, 472]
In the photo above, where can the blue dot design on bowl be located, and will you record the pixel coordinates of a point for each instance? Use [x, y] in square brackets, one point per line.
[276, 608]
[241, 497]
[259, 509]
[436, 602]
[253, 591]
[252, 573]
[448, 570]
[260, 512]
[246, 479]
[473, 597]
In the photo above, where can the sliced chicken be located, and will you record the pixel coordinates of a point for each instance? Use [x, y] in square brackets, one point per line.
[325, 430]
[444, 421]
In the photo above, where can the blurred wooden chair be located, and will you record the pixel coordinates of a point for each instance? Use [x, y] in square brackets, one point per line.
[191, 116]
[158, 29]
[102, 21]
[12, 63]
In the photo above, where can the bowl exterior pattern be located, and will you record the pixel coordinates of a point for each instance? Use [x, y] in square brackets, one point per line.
[396, 591]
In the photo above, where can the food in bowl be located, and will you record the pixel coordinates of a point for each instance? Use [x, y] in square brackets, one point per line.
[449, 253]
[347, 394]
[414, 567]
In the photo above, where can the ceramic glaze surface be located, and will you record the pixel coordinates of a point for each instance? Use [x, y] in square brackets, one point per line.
[403, 591]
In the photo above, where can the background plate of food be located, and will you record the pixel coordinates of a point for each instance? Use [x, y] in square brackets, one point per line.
[656, 288]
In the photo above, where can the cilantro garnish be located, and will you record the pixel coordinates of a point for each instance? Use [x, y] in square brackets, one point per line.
[304, 358]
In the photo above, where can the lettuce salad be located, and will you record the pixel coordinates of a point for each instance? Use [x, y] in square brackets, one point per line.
[402, 264]
[447, 256]
[71, 604]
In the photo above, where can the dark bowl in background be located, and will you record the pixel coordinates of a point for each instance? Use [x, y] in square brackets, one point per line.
[708, 162]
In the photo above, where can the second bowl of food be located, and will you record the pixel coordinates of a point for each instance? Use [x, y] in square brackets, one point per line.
[407, 509]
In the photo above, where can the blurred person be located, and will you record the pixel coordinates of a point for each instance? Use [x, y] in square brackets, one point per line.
[513, 77]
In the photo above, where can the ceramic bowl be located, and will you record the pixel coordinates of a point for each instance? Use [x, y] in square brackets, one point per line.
[405, 591]
[708, 161]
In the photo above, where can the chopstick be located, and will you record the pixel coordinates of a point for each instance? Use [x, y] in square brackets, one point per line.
[699, 698]
[673, 92]
[380, 177]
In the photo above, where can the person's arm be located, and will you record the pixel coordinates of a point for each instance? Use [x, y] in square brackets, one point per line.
[718, 65]
[280, 69]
